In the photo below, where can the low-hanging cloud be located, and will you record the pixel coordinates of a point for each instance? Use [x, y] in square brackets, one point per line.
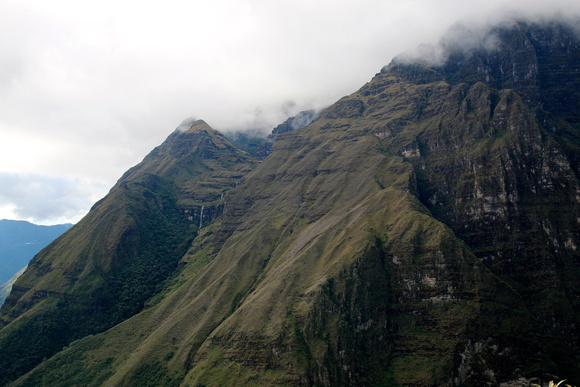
[186, 124]
[466, 38]
[88, 89]
[45, 199]
[459, 38]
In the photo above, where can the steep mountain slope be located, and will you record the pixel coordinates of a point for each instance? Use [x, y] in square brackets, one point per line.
[20, 241]
[302, 290]
[421, 231]
[104, 269]
[512, 167]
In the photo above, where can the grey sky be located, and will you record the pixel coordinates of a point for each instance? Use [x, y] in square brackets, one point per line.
[87, 89]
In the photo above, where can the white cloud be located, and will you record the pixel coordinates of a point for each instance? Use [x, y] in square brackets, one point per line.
[47, 200]
[87, 89]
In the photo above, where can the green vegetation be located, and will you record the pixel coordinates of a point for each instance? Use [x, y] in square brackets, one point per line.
[164, 237]
[67, 369]
[552, 384]
[126, 251]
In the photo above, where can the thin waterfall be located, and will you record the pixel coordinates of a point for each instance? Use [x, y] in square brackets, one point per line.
[201, 217]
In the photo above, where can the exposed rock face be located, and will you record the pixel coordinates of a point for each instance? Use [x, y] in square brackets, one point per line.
[499, 166]
[421, 231]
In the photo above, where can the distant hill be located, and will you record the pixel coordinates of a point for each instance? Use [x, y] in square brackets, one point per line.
[20, 241]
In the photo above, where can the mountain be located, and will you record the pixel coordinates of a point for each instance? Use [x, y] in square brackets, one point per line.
[118, 256]
[20, 241]
[420, 231]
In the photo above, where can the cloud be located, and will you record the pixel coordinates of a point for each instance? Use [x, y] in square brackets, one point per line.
[88, 89]
[459, 38]
[186, 124]
[478, 35]
[47, 200]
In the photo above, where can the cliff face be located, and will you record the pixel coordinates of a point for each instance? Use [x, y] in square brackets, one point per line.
[492, 138]
[420, 231]
[500, 167]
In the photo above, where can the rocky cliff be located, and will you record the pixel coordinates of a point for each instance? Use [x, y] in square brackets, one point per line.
[421, 231]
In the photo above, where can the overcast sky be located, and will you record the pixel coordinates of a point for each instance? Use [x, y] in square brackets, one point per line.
[87, 89]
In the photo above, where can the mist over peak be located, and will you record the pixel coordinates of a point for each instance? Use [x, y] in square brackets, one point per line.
[186, 124]
[466, 38]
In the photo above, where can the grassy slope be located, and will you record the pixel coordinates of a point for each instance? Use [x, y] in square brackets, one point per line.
[330, 270]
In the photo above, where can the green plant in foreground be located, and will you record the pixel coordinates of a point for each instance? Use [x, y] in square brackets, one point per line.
[552, 384]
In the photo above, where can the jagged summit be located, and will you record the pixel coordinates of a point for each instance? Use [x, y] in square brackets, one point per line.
[197, 140]
[188, 123]
[420, 231]
[196, 126]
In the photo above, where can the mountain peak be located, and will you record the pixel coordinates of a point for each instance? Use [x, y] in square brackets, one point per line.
[189, 145]
[199, 126]
[191, 124]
